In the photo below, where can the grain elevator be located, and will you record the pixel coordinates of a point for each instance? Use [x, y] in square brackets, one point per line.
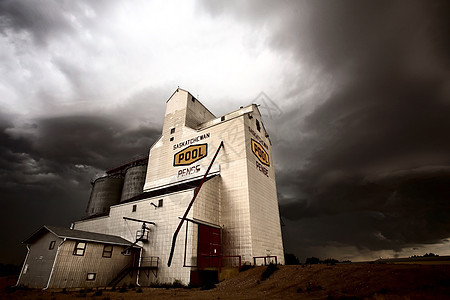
[225, 164]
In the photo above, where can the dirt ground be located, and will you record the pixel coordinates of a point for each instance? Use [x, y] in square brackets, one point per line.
[342, 281]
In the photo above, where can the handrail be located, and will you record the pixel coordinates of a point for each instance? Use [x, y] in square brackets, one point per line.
[224, 256]
[265, 257]
[151, 261]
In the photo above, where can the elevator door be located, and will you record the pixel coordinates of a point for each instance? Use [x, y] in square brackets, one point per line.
[209, 247]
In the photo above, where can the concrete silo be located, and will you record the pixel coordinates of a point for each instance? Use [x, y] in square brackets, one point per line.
[134, 182]
[106, 191]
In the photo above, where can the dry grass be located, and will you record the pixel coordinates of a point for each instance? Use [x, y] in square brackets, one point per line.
[352, 281]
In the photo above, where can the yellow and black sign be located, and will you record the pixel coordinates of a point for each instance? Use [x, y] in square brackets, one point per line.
[190, 155]
[260, 153]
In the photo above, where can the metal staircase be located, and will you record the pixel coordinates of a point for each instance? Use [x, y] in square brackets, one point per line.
[150, 263]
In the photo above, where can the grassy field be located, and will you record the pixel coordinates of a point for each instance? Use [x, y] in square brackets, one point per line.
[435, 260]
[423, 262]
[342, 281]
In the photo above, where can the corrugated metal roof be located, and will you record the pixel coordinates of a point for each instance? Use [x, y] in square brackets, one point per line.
[80, 235]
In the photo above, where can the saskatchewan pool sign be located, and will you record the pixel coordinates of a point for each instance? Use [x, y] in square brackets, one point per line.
[260, 153]
[190, 155]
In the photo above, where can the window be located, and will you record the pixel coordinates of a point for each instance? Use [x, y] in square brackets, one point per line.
[52, 245]
[90, 276]
[80, 247]
[172, 130]
[127, 251]
[222, 118]
[171, 139]
[160, 202]
[134, 208]
[258, 126]
[107, 251]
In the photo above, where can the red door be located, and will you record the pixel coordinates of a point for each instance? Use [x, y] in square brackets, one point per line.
[209, 246]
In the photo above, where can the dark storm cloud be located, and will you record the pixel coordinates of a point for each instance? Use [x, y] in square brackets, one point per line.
[61, 145]
[91, 140]
[373, 162]
[337, 34]
[47, 19]
[46, 165]
[40, 20]
[392, 212]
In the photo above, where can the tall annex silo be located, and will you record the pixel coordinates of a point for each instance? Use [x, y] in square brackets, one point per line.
[106, 191]
[133, 182]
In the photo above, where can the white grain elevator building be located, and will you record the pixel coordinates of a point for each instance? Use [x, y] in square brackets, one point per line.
[234, 219]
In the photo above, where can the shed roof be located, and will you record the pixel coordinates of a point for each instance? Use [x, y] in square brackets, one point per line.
[81, 235]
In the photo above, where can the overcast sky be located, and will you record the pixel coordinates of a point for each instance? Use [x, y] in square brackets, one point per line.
[356, 101]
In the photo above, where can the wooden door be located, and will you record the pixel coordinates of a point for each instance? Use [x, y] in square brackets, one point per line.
[209, 246]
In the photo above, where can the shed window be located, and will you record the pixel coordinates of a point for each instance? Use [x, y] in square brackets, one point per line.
[52, 245]
[171, 139]
[134, 208]
[172, 130]
[222, 118]
[107, 251]
[80, 247]
[160, 202]
[90, 276]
